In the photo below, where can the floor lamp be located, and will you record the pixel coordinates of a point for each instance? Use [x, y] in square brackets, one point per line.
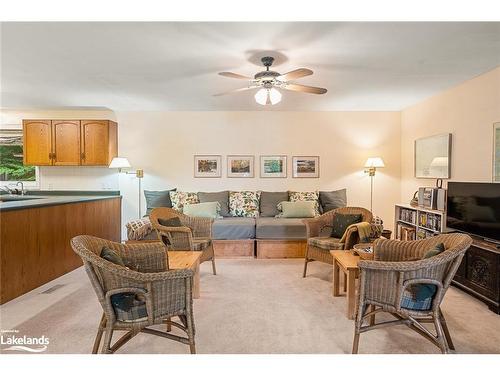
[139, 173]
[371, 166]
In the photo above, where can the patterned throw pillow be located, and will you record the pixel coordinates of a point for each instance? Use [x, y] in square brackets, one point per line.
[299, 196]
[180, 198]
[244, 203]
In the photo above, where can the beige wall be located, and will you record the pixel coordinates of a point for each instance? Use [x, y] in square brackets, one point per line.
[468, 112]
[163, 144]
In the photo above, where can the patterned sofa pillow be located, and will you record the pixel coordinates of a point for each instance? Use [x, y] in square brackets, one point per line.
[180, 198]
[298, 196]
[244, 203]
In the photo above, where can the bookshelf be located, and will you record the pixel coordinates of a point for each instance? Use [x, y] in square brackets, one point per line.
[414, 223]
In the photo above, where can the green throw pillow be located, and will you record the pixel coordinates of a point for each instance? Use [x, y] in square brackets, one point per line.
[342, 221]
[298, 209]
[424, 291]
[112, 256]
[207, 209]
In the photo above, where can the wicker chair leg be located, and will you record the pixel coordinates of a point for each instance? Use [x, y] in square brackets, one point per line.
[440, 336]
[446, 331]
[98, 337]
[357, 328]
[213, 265]
[106, 348]
[169, 326]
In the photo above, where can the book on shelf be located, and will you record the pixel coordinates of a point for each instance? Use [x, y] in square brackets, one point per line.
[410, 216]
[405, 232]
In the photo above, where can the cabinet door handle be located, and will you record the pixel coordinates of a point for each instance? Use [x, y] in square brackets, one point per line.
[82, 156]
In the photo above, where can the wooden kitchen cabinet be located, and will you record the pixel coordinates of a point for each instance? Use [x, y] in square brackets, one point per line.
[99, 142]
[37, 138]
[70, 142]
[65, 142]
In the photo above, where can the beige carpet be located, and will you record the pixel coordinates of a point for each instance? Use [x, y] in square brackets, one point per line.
[265, 306]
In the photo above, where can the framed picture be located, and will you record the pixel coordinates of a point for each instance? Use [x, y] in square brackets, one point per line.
[496, 152]
[433, 156]
[207, 166]
[240, 166]
[273, 166]
[305, 166]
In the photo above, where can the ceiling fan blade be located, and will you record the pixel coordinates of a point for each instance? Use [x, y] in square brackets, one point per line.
[234, 75]
[294, 74]
[237, 90]
[302, 88]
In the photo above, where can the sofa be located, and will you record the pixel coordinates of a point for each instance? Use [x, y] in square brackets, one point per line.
[250, 223]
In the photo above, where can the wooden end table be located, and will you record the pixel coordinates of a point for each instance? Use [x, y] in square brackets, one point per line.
[347, 262]
[179, 260]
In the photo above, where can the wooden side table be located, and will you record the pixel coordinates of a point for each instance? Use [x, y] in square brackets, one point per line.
[178, 260]
[347, 262]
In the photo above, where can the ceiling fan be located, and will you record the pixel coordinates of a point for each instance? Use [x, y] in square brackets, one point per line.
[268, 81]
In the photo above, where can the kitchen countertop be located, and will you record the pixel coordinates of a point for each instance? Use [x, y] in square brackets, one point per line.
[44, 198]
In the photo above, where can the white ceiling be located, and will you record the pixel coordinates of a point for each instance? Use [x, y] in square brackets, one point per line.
[173, 66]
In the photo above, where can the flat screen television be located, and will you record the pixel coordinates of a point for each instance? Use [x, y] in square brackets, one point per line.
[474, 208]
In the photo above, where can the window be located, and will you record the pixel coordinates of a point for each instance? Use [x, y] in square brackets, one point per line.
[12, 169]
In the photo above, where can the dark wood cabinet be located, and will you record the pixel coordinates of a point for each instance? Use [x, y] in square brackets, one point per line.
[479, 273]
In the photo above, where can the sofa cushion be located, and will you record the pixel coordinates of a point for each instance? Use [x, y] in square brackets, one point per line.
[280, 228]
[298, 196]
[208, 209]
[326, 243]
[269, 201]
[330, 200]
[342, 221]
[156, 199]
[303, 209]
[234, 228]
[180, 198]
[221, 196]
[244, 203]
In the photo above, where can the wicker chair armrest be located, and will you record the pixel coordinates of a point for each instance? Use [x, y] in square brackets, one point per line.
[315, 225]
[143, 277]
[201, 226]
[183, 229]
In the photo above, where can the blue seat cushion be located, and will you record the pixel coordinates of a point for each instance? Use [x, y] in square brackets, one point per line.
[129, 307]
[409, 299]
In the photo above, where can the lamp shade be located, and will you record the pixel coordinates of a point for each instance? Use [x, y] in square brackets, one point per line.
[119, 163]
[374, 163]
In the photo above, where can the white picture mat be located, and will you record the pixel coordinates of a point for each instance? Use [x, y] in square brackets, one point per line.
[249, 158]
[217, 172]
[267, 158]
[298, 162]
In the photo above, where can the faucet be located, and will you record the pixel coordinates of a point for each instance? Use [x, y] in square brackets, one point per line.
[22, 187]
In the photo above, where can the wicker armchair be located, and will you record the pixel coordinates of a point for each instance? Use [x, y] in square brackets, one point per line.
[162, 294]
[318, 247]
[387, 284]
[195, 234]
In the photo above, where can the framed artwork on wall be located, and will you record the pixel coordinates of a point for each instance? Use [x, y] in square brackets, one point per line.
[305, 166]
[273, 166]
[207, 166]
[433, 156]
[240, 166]
[496, 152]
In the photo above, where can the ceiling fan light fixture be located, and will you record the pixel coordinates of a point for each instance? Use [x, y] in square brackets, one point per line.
[268, 96]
